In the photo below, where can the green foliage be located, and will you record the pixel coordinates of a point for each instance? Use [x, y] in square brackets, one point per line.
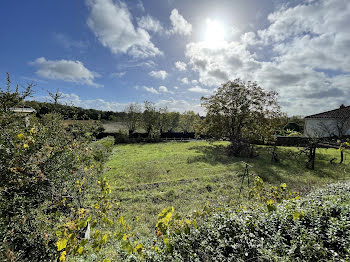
[271, 195]
[313, 228]
[241, 111]
[98, 218]
[46, 173]
[188, 121]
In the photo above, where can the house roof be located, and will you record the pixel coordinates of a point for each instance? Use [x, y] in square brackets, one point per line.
[22, 109]
[339, 113]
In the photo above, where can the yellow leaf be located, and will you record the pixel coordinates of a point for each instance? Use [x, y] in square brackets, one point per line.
[80, 250]
[63, 256]
[20, 136]
[61, 244]
[104, 239]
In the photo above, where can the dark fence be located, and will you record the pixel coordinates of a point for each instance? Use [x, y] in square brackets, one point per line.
[292, 140]
[143, 137]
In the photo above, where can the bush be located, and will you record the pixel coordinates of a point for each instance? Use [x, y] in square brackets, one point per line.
[314, 228]
[46, 173]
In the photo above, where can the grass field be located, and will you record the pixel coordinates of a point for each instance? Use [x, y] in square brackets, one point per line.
[149, 177]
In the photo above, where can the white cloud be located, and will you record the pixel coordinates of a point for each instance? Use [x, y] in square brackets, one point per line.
[66, 70]
[304, 55]
[163, 89]
[111, 22]
[314, 34]
[117, 74]
[180, 105]
[132, 64]
[185, 81]
[150, 89]
[150, 23]
[140, 6]
[159, 74]
[176, 87]
[194, 82]
[67, 42]
[198, 89]
[181, 66]
[179, 24]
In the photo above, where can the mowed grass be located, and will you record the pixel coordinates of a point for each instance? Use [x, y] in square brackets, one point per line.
[149, 177]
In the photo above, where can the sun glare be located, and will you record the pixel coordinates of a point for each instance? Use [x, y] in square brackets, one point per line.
[215, 33]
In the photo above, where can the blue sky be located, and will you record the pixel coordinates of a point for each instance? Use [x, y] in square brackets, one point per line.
[105, 54]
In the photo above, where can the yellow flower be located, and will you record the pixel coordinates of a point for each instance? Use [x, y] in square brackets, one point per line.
[20, 136]
[25, 146]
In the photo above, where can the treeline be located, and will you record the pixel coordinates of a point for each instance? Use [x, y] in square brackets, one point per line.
[70, 111]
[155, 121]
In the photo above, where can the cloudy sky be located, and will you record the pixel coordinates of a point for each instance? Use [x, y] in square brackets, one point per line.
[105, 54]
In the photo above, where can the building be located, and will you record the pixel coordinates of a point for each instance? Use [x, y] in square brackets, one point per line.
[330, 123]
[25, 111]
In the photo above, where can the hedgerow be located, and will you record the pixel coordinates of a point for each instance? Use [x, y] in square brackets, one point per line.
[48, 173]
[314, 228]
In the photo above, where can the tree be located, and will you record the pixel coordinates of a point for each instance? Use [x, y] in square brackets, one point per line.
[164, 120]
[239, 109]
[188, 120]
[9, 99]
[150, 119]
[174, 118]
[133, 117]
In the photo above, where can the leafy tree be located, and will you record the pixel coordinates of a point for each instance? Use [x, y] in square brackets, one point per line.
[239, 109]
[133, 117]
[150, 119]
[174, 119]
[188, 120]
[164, 120]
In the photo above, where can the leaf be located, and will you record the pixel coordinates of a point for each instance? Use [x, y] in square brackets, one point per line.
[20, 136]
[271, 205]
[104, 239]
[63, 256]
[80, 250]
[61, 244]
[298, 215]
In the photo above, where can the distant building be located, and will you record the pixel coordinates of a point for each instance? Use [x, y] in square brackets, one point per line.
[24, 110]
[330, 123]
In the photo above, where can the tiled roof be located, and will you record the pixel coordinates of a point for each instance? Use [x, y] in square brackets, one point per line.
[340, 113]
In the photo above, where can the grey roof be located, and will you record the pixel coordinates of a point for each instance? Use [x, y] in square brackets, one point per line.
[22, 109]
[340, 113]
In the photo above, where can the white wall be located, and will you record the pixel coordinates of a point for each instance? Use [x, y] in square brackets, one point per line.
[320, 127]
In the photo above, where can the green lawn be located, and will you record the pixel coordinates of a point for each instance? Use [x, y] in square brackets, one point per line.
[149, 177]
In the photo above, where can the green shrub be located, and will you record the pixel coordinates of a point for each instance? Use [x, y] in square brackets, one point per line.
[315, 228]
[46, 173]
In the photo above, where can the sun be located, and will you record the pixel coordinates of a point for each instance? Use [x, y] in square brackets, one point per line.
[214, 34]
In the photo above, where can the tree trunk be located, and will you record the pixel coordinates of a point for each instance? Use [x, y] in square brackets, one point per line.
[311, 157]
[341, 157]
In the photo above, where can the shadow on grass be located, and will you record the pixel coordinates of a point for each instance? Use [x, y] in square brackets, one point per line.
[290, 169]
[262, 165]
[212, 154]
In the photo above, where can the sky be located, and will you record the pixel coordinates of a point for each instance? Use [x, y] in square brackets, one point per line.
[105, 54]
